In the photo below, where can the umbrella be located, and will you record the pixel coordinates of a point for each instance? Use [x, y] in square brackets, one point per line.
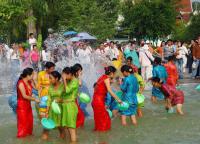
[68, 33]
[74, 39]
[86, 36]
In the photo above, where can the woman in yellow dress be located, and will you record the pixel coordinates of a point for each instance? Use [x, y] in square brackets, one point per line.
[117, 63]
[43, 85]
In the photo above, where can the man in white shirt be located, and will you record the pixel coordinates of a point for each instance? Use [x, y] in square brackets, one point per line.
[32, 41]
[145, 59]
[113, 51]
[83, 53]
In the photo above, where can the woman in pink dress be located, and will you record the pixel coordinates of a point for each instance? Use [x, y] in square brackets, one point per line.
[24, 98]
[102, 120]
[25, 59]
[173, 97]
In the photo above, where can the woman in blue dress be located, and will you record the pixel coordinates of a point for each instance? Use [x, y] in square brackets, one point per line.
[160, 72]
[111, 103]
[130, 87]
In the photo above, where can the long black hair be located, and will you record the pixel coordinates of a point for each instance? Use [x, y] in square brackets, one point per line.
[26, 72]
[48, 65]
[157, 61]
[126, 68]
[67, 70]
[75, 68]
[109, 69]
[56, 75]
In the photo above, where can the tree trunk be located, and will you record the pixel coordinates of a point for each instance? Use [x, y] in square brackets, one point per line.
[31, 27]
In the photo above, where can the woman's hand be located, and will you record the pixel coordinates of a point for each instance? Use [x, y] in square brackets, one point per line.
[120, 81]
[37, 100]
[46, 114]
[119, 101]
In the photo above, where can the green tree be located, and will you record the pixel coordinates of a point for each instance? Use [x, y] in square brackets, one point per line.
[96, 17]
[193, 30]
[149, 19]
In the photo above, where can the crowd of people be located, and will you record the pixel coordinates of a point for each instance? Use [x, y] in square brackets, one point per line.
[138, 64]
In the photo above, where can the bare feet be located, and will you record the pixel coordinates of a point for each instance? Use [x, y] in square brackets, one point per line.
[44, 136]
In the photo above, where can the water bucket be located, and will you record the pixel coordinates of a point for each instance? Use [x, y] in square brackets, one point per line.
[44, 98]
[110, 113]
[48, 123]
[123, 106]
[43, 104]
[198, 87]
[84, 98]
[119, 94]
[140, 98]
[55, 107]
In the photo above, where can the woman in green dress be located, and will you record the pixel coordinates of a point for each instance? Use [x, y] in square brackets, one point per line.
[69, 106]
[55, 93]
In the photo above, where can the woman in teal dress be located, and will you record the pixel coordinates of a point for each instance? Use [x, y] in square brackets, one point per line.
[55, 93]
[69, 106]
[160, 72]
[130, 87]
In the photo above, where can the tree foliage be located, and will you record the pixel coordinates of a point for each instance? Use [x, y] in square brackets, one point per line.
[149, 19]
[193, 30]
[97, 17]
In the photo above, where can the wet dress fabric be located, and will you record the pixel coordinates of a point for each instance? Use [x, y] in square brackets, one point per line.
[69, 106]
[80, 116]
[111, 103]
[130, 88]
[24, 111]
[102, 119]
[55, 95]
[43, 88]
[170, 92]
[172, 74]
[160, 72]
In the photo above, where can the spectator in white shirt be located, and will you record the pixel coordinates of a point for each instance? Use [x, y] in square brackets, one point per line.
[32, 41]
[83, 53]
[146, 59]
[113, 51]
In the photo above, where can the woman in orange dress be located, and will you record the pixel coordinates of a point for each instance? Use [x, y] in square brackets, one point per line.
[172, 72]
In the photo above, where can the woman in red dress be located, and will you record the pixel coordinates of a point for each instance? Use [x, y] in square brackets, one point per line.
[172, 72]
[102, 86]
[24, 98]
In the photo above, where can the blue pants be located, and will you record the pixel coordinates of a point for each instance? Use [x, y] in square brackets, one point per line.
[179, 64]
[196, 71]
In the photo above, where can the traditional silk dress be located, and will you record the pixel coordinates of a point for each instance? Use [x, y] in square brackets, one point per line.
[24, 112]
[69, 106]
[80, 116]
[111, 103]
[160, 72]
[170, 92]
[55, 95]
[43, 88]
[130, 88]
[172, 74]
[102, 119]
